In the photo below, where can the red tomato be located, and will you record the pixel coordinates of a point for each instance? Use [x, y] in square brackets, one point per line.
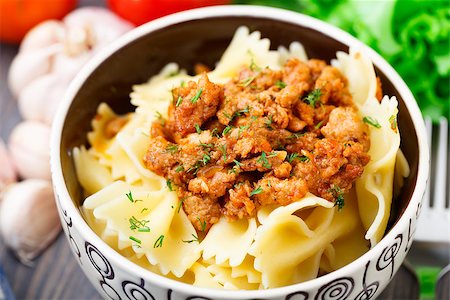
[19, 16]
[142, 11]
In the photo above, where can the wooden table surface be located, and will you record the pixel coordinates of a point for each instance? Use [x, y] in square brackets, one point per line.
[56, 274]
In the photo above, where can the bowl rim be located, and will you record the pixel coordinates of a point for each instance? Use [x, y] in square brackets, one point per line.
[250, 11]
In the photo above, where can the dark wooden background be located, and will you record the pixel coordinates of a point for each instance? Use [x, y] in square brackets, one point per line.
[56, 274]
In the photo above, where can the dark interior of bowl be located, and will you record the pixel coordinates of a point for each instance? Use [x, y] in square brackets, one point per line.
[204, 41]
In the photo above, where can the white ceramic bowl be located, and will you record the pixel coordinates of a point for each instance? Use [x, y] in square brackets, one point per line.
[202, 35]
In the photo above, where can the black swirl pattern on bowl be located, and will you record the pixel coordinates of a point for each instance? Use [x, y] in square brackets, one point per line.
[69, 224]
[337, 289]
[411, 231]
[388, 255]
[297, 295]
[106, 271]
[136, 291]
[369, 290]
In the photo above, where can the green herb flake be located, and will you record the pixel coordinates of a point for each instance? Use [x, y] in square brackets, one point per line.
[183, 83]
[159, 242]
[179, 169]
[206, 146]
[214, 132]
[172, 149]
[393, 121]
[291, 157]
[160, 118]
[304, 158]
[338, 197]
[169, 184]
[197, 95]
[246, 82]
[223, 149]
[179, 100]
[205, 160]
[227, 129]
[130, 196]
[264, 161]
[371, 121]
[295, 135]
[135, 239]
[280, 84]
[256, 191]
[144, 229]
[202, 224]
[268, 123]
[193, 240]
[237, 163]
[144, 209]
[313, 98]
[198, 129]
[242, 128]
[137, 224]
[180, 204]
[318, 125]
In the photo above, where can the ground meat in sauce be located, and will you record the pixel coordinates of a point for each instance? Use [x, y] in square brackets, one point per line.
[265, 137]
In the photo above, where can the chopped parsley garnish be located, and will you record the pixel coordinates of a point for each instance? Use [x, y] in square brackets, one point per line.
[237, 163]
[179, 100]
[393, 121]
[227, 130]
[246, 82]
[242, 128]
[227, 115]
[256, 191]
[198, 129]
[193, 240]
[205, 160]
[144, 229]
[223, 149]
[253, 66]
[144, 209]
[180, 168]
[172, 149]
[371, 121]
[264, 161]
[160, 118]
[214, 132]
[269, 184]
[180, 204]
[338, 197]
[295, 135]
[313, 97]
[183, 83]
[135, 239]
[280, 84]
[197, 95]
[205, 146]
[159, 242]
[238, 113]
[138, 224]
[304, 158]
[202, 224]
[318, 125]
[290, 157]
[169, 184]
[268, 123]
[130, 196]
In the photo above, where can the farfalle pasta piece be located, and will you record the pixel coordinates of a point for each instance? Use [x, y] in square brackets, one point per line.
[279, 240]
[221, 240]
[243, 49]
[153, 225]
[224, 276]
[90, 173]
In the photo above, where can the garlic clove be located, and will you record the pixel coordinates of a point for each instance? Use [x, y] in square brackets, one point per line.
[29, 219]
[39, 100]
[29, 145]
[43, 35]
[102, 25]
[8, 173]
[28, 65]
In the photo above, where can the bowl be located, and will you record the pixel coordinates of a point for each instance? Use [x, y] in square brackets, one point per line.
[204, 34]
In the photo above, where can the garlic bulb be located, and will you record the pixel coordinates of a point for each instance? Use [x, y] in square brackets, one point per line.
[29, 145]
[53, 52]
[8, 172]
[29, 219]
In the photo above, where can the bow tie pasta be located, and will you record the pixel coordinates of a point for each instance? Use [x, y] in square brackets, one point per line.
[269, 170]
